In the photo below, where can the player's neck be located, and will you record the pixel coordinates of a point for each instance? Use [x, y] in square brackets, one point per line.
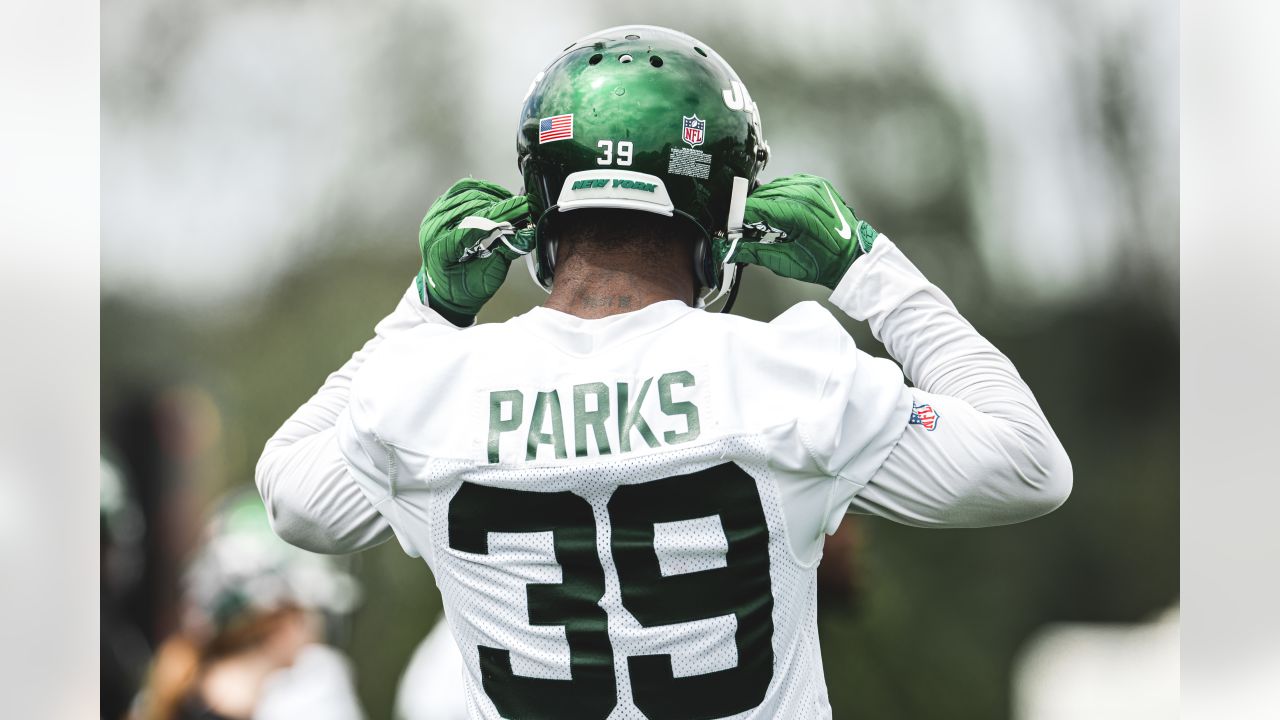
[602, 284]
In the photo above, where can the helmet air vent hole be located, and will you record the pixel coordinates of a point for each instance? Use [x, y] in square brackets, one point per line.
[655, 61]
[624, 59]
[700, 51]
[633, 37]
[595, 59]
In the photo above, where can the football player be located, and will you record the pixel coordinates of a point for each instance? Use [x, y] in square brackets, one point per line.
[622, 495]
[251, 643]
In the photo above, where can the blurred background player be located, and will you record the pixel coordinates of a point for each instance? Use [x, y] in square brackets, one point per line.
[432, 686]
[159, 460]
[255, 614]
[123, 647]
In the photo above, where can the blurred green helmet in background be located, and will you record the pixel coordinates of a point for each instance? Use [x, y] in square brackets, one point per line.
[242, 567]
[640, 118]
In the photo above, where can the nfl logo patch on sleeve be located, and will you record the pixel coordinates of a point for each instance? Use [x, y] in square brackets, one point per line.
[922, 414]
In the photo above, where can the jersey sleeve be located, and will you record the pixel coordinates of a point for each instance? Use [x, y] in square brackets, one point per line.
[857, 410]
[370, 462]
[312, 499]
[976, 449]
[366, 430]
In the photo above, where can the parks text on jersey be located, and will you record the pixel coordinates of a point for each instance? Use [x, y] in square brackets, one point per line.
[610, 413]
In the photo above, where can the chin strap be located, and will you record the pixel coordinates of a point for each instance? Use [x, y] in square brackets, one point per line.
[541, 262]
[730, 275]
[733, 290]
[498, 231]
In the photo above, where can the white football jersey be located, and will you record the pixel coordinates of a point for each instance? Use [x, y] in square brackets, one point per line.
[625, 515]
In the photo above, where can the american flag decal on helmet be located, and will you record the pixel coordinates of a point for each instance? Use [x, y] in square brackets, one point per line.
[922, 414]
[555, 128]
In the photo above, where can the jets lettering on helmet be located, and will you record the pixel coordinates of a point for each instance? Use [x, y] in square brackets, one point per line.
[737, 98]
[605, 418]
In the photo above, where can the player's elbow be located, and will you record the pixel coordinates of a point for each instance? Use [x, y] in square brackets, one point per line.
[301, 531]
[264, 476]
[292, 524]
[1018, 484]
[303, 516]
[1045, 479]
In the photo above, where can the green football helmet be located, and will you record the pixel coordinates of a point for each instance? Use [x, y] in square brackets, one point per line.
[243, 567]
[643, 118]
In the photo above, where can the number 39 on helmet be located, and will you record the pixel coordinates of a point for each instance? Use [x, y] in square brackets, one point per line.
[641, 118]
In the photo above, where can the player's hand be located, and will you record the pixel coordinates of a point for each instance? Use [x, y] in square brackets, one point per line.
[799, 227]
[468, 239]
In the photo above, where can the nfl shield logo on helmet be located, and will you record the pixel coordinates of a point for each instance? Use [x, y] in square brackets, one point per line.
[694, 130]
[922, 414]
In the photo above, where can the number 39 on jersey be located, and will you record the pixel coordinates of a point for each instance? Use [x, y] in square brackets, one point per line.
[730, 582]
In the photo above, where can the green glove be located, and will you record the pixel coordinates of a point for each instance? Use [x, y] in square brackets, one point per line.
[799, 227]
[468, 239]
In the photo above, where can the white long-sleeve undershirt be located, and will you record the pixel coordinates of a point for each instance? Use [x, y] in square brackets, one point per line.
[992, 458]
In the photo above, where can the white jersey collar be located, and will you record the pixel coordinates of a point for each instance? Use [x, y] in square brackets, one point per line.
[580, 336]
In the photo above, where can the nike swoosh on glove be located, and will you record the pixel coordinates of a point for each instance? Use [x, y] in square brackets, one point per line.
[799, 227]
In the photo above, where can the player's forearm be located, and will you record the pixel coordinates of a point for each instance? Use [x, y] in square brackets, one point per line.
[1014, 467]
[965, 469]
[311, 499]
[938, 349]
